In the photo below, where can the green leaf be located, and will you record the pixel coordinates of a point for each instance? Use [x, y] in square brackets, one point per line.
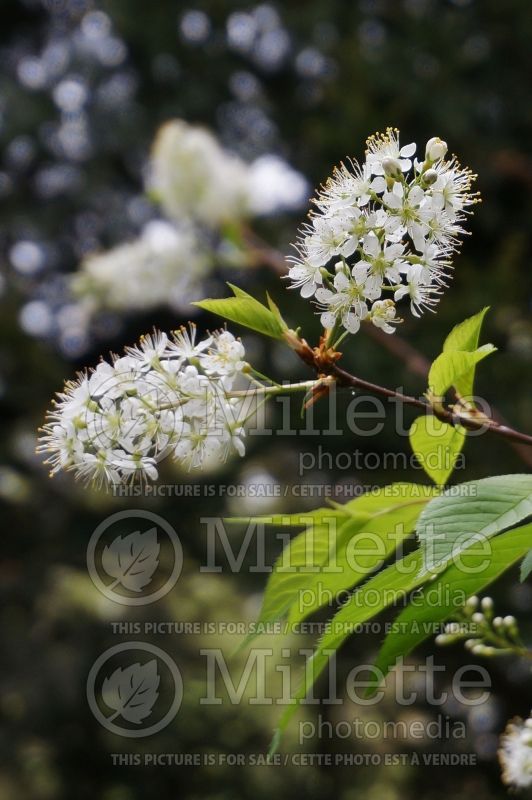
[245, 310]
[274, 308]
[362, 549]
[381, 591]
[417, 622]
[302, 519]
[472, 511]
[526, 566]
[465, 335]
[455, 368]
[436, 445]
[391, 585]
[339, 547]
[301, 558]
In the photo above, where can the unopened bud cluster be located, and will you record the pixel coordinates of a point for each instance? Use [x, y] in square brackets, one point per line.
[389, 225]
[483, 633]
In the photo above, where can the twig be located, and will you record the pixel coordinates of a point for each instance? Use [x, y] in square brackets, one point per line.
[413, 359]
[444, 414]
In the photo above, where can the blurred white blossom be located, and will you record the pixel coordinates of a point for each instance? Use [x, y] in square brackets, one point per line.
[164, 266]
[192, 176]
[515, 753]
[274, 186]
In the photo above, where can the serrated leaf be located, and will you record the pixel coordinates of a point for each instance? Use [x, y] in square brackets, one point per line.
[436, 445]
[466, 334]
[455, 367]
[526, 567]
[245, 310]
[274, 308]
[387, 588]
[381, 591]
[416, 623]
[362, 549]
[131, 560]
[323, 559]
[469, 512]
[132, 692]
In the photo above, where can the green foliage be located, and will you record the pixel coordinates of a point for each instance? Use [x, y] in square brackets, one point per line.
[454, 560]
[338, 548]
[436, 445]
[526, 566]
[455, 368]
[417, 622]
[245, 310]
[478, 510]
[466, 334]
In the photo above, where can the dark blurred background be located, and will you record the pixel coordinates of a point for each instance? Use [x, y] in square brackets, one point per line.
[308, 81]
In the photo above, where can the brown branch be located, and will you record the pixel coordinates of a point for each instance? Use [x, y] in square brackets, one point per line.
[447, 415]
[413, 359]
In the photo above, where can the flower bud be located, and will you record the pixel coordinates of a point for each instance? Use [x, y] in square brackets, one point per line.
[430, 177]
[436, 148]
[486, 603]
[392, 167]
[471, 603]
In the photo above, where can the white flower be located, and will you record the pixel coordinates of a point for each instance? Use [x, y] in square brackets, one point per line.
[115, 423]
[194, 177]
[184, 343]
[304, 276]
[451, 189]
[328, 238]
[383, 315]
[226, 357]
[274, 186]
[147, 354]
[349, 186]
[381, 146]
[515, 753]
[394, 225]
[410, 209]
[421, 293]
[348, 302]
[384, 260]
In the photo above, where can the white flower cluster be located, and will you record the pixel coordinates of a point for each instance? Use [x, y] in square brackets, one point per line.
[515, 753]
[164, 397]
[164, 266]
[193, 177]
[200, 187]
[384, 230]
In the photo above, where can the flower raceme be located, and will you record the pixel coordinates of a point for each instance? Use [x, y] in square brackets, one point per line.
[383, 230]
[164, 397]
